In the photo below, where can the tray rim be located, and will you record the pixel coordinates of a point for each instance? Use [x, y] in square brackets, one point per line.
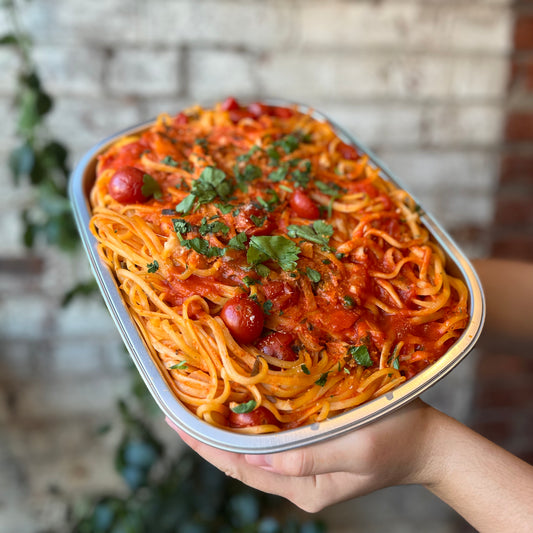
[288, 439]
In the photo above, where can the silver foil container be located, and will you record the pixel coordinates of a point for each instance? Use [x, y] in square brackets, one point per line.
[157, 381]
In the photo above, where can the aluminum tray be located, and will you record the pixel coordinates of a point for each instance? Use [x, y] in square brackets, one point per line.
[81, 182]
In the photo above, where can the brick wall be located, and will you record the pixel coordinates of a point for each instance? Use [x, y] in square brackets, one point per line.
[503, 406]
[423, 83]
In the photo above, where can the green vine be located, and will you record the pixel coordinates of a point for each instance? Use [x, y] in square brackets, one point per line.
[38, 159]
[165, 492]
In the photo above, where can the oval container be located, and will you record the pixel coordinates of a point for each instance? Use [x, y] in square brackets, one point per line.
[157, 380]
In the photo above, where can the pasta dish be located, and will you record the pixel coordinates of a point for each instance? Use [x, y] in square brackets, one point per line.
[276, 277]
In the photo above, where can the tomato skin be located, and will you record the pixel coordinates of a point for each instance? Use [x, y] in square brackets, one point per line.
[278, 345]
[347, 151]
[244, 318]
[230, 104]
[281, 294]
[258, 109]
[259, 416]
[281, 112]
[181, 119]
[126, 186]
[243, 222]
[236, 115]
[304, 206]
[341, 319]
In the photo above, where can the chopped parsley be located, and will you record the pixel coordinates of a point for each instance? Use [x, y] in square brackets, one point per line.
[211, 184]
[276, 247]
[153, 267]
[302, 174]
[249, 173]
[248, 281]
[182, 365]
[305, 370]
[170, 161]
[313, 275]
[319, 233]
[151, 187]
[360, 355]
[214, 227]
[201, 246]
[224, 208]
[267, 306]
[331, 189]
[321, 381]
[262, 270]
[280, 173]
[181, 226]
[244, 407]
[238, 242]
[288, 144]
[348, 301]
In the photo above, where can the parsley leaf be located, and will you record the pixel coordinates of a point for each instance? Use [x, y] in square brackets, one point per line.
[249, 173]
[348, 301]
[305, 370]
[318, 233]
[249, 281]
[201, 246]
[262, 270]
[153, 267]
[321, 381]
[181, 226]
[313, 275]
[302, 174]
[276, 247]
[182, 365]
[258, 221]
[238, 242]
[267, 306]
[331, 189]
[224, 208]
[279, 174]
[360, 355]
[151, 187]
[244, 407]
[214, 227]
[186, 204]
[170, 161]
[289, 143]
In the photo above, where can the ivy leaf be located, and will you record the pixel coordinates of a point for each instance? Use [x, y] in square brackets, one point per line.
[21, 161]
[282, 250]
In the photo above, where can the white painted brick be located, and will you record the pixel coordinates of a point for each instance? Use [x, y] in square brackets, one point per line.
[83, 122]
[145, 72]
[314, 75]
[468, 125]
[409, 25]
[71, 397]
[263, 25]
[12, 231]
[25, 316]
[86, 317]
[427, 171]
[99, 21]
[372, 123]
[70, 70]
[9, 66]
[8, 114]
[215, 74]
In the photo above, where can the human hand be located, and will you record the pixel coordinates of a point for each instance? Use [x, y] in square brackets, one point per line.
[392, 451]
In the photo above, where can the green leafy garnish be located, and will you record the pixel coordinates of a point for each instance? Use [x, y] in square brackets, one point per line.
[151, 187]
[258, 221]
[331, 189]
[224, 208]
[248, 281]
[348, 301]
[360, 355]
[267, 306]
[321, 381]
[238, 242]
[201, 246]
[302, 174]
[262, 270]
[181, 226]
[153, 267]
[182, 365]
[244, 407]
[288, 144]
[170, 161]
[279, 174]
[249, 173]
[247, 155]
[214, 227]
[211, 184]
[318, 233]
[305, 370]
[276, 247]
[313, 275]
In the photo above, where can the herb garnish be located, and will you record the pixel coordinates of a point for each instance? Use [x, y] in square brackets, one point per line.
[182, 365]
[238, 242]
[244, 407]
[170, 161]
[319, 233]
[305, 370]
[348, 301]
[321, 381]
[276, 247]
[153, 266]
[360, 355]
[151, 187]
[313, 275]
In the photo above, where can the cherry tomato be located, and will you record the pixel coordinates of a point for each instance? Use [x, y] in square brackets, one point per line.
[304, 206]
[281, 112]
[181, 119]
[278, 345]
[245, 223]
[259, 416]
[236, 115]
[258, 109]
[244, 318]
[341, 319]
[229, 104]
[281, 294]
[126, 186]
[347, 151]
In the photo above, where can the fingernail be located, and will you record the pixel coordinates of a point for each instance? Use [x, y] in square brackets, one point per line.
[259, 460]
